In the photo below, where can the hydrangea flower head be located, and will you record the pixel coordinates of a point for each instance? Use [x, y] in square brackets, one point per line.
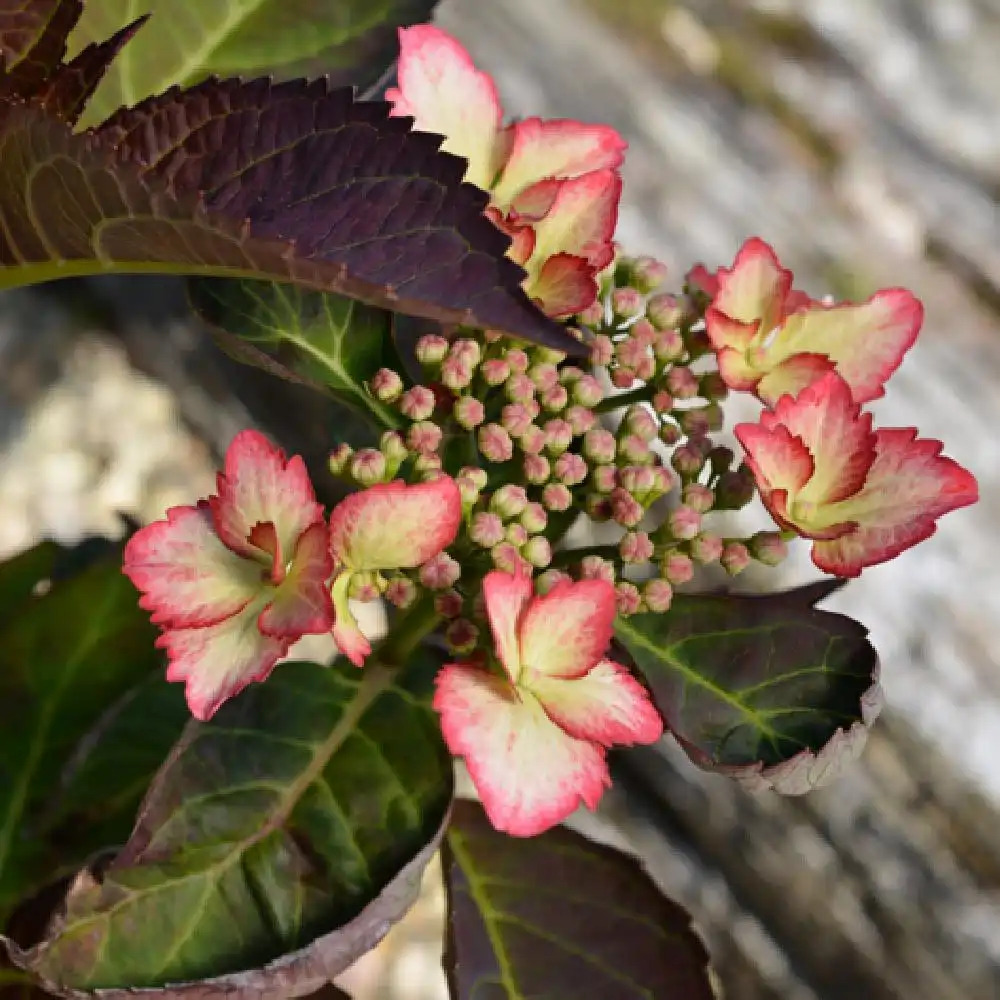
[534, 737]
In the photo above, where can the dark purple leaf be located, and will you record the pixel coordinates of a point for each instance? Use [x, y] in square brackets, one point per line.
[560, 917]
[33, 37]
[766, 689]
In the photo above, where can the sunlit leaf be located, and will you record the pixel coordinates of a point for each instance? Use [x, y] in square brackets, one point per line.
[189, 40]
[767, 689]
[282, 839]
[560, 917]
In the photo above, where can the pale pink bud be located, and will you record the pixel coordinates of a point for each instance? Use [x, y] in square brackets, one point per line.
[424, 436]
[646, 368]
[495, 443]
[580, 419]
[516, 533]
[687, 460]
[643, 331]
[558, 436]
[555, 399]
[634, 449]
[769, 548]
[698, 497]
[557, 497]
[636, 547]
[664, 311]
[631, 352]
[467, 350]
[532, 441]
[701, 420]
[401, 592]
[647, 273]
[623, 378]
[469, 412]
[461, 637]
[486, 529]
[417, 403]
[639, 480]
[641, 422]
[596, 568]
[706, 547]
[570, 468]
[518, 360]
[431, 349]
[534, 518]
[517, 418]
[448, 604]
[427, 463]
[477, 475]
[368, 467]
[547, 580]
[507, 558]
[626, 303]
[597, 507]
[628, 600]
[668, 346]
[682, 382]
[550, 356]
[386, 385]
[684, 522]
[340, 458]
[392, 445]
[593, 315]
[468, 490]
[602, 350]
[678, 568]
[570, 374]
[658, 595]
[538, 551]
[495, 371]
[364, 587]
[599, 445]
[509, 501]
[735, 558]
[663, 402]
[440, 572]
[544, 376]
[587, 391]
[519, 388]
[625, 509]
[536, 469]
[670, 433]
[604, 478]
[456, 373]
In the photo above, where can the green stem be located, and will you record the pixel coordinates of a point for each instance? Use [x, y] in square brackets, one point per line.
[641, 395]
[408, 632]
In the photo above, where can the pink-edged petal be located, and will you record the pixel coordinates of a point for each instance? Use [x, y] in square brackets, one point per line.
[186, 575]
[350, 640]
[444, 93]
[395, 526]
[867, 342]
[705, 281]
[755, 288]
[258, 485]
[534, 202]
[566, 632]
[792, 376]
[581, 220]
[218, 661]
[735, 370]
[522, 235]
[564, 286]
[724, 331]
[529, 774]
[558, 148]
[827, 420]
[910, 485]
[302, 604]
[506, 595]
[607, 706]
[778, 460]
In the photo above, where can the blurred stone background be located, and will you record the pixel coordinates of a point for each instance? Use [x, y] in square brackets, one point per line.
[862, 139]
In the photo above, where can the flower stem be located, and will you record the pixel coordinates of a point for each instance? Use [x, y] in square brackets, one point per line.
[641, 395]
[409, 630]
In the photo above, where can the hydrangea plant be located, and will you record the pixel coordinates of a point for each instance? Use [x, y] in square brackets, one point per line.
[541, 488]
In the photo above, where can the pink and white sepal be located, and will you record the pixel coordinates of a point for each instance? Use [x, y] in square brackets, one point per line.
[534, 734]
[385, 527]
[236, 579]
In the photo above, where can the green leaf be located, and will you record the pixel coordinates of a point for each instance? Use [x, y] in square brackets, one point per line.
[560, 917]
[322, 339]
[294, 826]
[189, 40]
[767, 689]
[59, 688]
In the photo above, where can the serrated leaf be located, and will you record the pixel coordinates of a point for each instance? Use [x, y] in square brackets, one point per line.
[277, 844]
[354, 40]
[56, 687]
[767, 689]
[33, 37]
[324, 340]
[561, 917]
[288, 182]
